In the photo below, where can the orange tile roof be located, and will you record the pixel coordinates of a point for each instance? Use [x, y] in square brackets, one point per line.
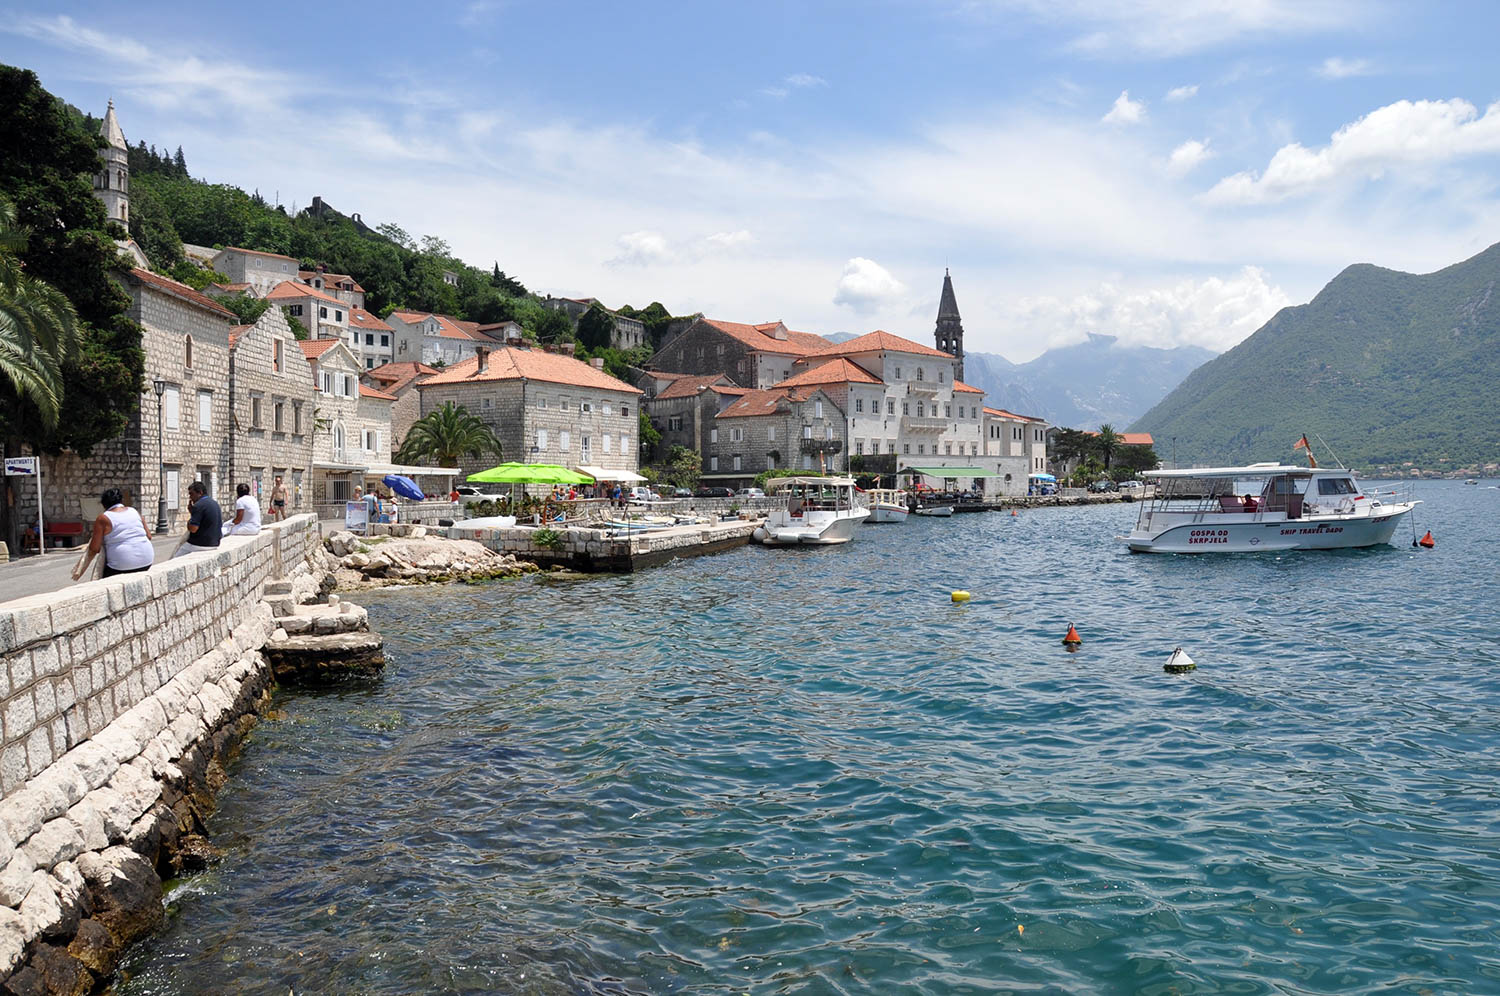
[1002, 413]
[765, 402]
[314, 348]
[366, 391]
[1131, 438]
[839, 371]
[512, 362]
[337, 278]
[396, 376]
[760, 337]
[359, 318]
[257, 252]
[959, 385]
[290, 290]
[182, 291]
[686, 387]
[236, 288]
[448, 328]
[235, 333]
[880, 340]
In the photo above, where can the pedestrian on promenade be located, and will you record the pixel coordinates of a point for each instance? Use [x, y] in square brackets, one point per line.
[246, 513]
[278, 499]
[205, 522]
[121, 535]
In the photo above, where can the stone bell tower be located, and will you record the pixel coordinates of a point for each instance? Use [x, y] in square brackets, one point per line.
[949, 334]
[112, 184]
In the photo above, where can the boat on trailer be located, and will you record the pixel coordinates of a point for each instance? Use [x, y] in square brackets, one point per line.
[1264, 506]
[886, 505]
[819, 511]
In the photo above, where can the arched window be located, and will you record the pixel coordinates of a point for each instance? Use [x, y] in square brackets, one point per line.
[120, 178]
[187, 349]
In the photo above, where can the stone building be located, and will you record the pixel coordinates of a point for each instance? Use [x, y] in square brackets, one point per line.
[399, 380]
[628, 332]
[544, 407]
[112, 182]
[758, 356]
[351, 422]
[370, 339]
[274, 398]
[261, 270]
[781, 427]
[949, 333]
[437, 340]
[323, 315]
[340, 285]
[682, 407]
[1015, 447]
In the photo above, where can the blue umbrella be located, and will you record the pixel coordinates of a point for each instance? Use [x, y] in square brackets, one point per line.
[403, 486]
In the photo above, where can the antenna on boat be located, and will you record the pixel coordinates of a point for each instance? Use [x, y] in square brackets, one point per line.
[1330, 451]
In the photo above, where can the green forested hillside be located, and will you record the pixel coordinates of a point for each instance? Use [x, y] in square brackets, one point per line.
[1394, 370]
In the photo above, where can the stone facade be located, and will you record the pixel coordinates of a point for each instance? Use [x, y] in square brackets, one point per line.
[350, 431]
[340, 285]
[436, 340]
[274, 400]
[1014, 446]
[112, 182]
[261, 270]
[757, 356]
[774, 430]
[399, 380]
[323, 315]
[683, 410]
[948, 335]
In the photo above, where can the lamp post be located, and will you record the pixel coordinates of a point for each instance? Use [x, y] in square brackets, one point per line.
[160, 387]
[1174, 452]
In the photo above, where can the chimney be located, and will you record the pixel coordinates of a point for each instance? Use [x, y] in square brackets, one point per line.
[513, 335]
[597, 363]
[566, 348]
[482, 354]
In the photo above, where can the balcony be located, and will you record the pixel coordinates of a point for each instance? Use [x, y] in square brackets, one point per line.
[923, 424]
[923, 388]
[816, 446]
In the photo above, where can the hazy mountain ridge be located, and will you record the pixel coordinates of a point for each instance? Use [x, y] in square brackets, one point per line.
[1390, 368]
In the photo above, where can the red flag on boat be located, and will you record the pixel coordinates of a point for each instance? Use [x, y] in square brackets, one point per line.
[1303, 444]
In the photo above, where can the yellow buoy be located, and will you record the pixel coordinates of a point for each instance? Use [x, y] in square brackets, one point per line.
[961, 596]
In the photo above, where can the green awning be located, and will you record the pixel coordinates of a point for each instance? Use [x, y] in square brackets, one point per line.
[953, 472]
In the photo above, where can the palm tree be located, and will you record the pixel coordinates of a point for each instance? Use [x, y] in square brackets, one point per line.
[445, 434]
[38, 327]
[1109, 441]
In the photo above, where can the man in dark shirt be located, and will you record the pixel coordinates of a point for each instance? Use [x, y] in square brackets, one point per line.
[205, 520]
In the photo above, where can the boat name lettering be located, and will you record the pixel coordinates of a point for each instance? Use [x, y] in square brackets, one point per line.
[1196, 536]
[1316, 530]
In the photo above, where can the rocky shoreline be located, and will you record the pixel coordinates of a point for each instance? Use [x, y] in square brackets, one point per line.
[358, 563]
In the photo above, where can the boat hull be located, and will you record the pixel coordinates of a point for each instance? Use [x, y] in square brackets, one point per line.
[882, 512]
[817, 530]
[937, 511]
[1216, 535]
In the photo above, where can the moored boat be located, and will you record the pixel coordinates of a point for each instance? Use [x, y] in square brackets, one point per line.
[886, 506]
[820, 511]
[937, 510]
[1264, 506]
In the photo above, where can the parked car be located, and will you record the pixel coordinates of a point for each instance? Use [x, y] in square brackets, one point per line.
[641, 494]
[713, 493]
[682, 493]
[468, 493]
[1101, 485]
[1134, 487]
[749, 493]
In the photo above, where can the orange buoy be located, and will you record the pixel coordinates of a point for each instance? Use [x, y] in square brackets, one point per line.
[1012, 511]
[1428, 541]
[1072, 639]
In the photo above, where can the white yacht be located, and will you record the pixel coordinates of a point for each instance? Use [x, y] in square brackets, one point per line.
[1265, 506]
[887, 506]
[819, 511]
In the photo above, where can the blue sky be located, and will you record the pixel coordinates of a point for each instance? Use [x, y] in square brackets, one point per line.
[1166, 171]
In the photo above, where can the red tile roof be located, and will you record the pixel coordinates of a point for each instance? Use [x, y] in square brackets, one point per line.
[760, 337]
[359, 318]
[257, 252]
[1131, 438]
[879, 340]
[766, 402]
[235, 333]
[333, 278]
[182, 291]
[512, 362]
[314, 348]
[1002, 413]
[230, 288]
[366, 391]
[448, 328]
[290, 290]
[396, 376]
[687, 386]
[839, 371]
[959, 385]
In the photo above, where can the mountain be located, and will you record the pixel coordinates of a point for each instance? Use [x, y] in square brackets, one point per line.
[1392, 369]
[1084, 385]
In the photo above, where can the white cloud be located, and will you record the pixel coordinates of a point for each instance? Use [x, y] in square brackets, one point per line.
[1335, 68]
[1405, 133]
[1125, 111]
[1215, 313]
[729, 240]
[867, 286]
[1179, 93]
[796, 81]
[641, 249]
[1186, 157]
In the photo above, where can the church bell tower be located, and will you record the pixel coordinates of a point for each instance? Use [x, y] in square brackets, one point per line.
[949, 334]
[112, 184]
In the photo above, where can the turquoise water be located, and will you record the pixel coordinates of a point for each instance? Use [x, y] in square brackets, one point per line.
[806, 771]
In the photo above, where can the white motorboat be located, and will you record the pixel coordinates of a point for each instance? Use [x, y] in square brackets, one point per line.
[939, 511]
[1265, 506]
[819, 511]
[887, 506]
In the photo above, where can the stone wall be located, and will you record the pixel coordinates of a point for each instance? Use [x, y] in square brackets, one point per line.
[610, 549]
[108, 692]
[703, 349]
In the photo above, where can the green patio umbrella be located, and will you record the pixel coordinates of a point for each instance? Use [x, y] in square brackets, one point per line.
[530, 473]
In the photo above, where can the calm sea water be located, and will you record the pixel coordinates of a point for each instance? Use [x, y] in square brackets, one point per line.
[806, 771]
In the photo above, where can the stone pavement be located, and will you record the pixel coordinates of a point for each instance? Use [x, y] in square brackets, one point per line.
[53, 571]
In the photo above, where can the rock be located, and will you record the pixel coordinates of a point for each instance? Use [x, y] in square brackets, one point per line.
[41, 914]
[57, 840]
[94, 947]
[61, 973]
[12, 940]
[26, 982]
[195, 853]
[125, 892]
[357, 560]
[15, 879]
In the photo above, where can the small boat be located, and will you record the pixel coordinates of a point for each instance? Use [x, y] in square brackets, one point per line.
[886, 506]
[819, 511]
[939, 511]
[1265, 506]
[1471, 481]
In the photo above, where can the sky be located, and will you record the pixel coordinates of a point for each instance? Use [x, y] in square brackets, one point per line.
[1167, 172]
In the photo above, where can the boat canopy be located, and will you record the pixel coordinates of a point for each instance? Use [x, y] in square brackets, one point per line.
[1253, 470]
[1049, 478]
[777, 483]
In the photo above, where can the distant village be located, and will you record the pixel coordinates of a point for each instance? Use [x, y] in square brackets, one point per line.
[232, 403]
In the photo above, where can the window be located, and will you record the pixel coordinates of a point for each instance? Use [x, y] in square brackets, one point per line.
[859, 446]
[674, 423]
[607, 440]
[327, 383]
[817, 409]
[1336, 486]
[255, 401]
[890, 406]
[1015, 433]
[607, 409]
[585, 406]
[585, 448]
[338, 315]
[948, 448]
[859, 404]
[294, 309]
[624, 411]
[564, 440]
[486, 403]
[322, 312]
[736, 459]
[562, 404]
[541, 439]
[906, 448]
[828, 430]
[770, 434]
[369, 338]
[205, 411]
[369, 363]
[919, 373]
[807, 432]
[297, 418]
[898, 373]
[368, 439]
[713, 435]
[807, 461]
[906, 408]
[942, 377]
[948, 412]
[737, 435]
[624, 444]
[276, 345]
[921, 409]
[187, 352]
[713, 463]
[921, 449]
[770, 461]
[174, 477]
[169, 406]
[890, 446]
[278, 421]
[385, 340]
[541, 402]
[974, 451]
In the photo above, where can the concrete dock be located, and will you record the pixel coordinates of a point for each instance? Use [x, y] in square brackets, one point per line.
[610, 550]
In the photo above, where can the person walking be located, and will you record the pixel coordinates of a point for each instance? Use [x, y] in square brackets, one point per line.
[278, 499]
[246, 513]
[121, 535]
[205, 522]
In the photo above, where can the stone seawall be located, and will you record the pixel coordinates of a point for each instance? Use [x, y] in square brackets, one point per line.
[610, 550]
[119, 699]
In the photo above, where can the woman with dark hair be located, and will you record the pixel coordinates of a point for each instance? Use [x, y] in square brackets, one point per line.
[121, 534]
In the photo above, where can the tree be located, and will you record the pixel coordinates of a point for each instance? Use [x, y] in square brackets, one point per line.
[683, 468]
[596, 327]
[38, 327]
[648, 435]
[445, 434]
[179, 164]
[248, 309]
[1107, 442]
[295, 324]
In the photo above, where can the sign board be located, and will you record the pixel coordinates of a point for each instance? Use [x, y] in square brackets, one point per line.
[356, 516]
[20, 466]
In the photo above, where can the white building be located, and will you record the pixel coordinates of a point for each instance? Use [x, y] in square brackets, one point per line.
[437, 340]
[261, 270]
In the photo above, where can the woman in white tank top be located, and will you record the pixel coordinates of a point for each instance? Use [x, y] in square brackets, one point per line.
[121, 534]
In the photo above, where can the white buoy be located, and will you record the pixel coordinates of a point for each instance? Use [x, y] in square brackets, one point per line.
[1179, 662]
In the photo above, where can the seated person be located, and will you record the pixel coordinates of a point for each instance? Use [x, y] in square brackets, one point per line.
[1251, 504]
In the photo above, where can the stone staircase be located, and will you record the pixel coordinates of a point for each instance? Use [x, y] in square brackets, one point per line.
[319, 638]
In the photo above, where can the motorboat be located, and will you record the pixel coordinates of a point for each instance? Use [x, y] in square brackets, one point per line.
[938, 510]
[1264, 506]
[819, 511]
[886, 505]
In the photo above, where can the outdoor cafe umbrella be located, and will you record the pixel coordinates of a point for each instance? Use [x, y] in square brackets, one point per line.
[530, 473]
[403, 486]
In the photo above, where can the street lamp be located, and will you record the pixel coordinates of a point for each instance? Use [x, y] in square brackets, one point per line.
[160, 387]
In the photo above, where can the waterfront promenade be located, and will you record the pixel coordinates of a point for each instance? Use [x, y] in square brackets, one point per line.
[53, 571]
